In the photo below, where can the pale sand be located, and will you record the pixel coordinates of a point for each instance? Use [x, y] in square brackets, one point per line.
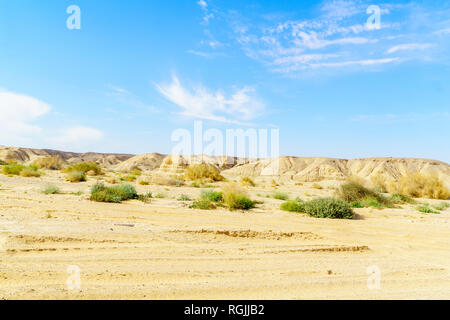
[163, 250]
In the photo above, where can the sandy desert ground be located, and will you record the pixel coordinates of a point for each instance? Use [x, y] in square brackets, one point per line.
[164, 250]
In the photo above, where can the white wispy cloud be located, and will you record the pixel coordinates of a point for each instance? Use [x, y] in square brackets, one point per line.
[207, 14]
[339, 36]
[409, 46]
[200, 102]
[78, 137]
[19, 112]
[127, 98]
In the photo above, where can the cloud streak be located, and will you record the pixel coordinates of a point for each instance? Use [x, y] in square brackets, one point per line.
[19, 112]
[340, 36]
[200, 102]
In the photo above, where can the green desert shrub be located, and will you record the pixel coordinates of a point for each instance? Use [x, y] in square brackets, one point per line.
[293, 206]
[235, 198]
[356, 204]
[184, 197]
[211, 195]
[145, 197]
[203, 204]
[329, 208]
[3, 163]
[401, 198]
[12, 169]
[203, 172]
[51, 189]
[51, 163]
[280, 196]
[241, 202]
[352, 192]
[425, 208]
[114, 194]
[76, 176]
[91, 168]
[22, 170]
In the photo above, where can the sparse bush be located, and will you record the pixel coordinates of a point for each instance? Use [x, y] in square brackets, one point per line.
[51, 163]
[242, 202]
[129, 178]
[12, 169]
[168, 161]
[195, 185]
[317, 186]
[160, 196]
[372, 201]
[203, 204]
[425, 208]
[11, 161]
[293, 206]
[419, 185]
[184, 197]
[329, 208]
[19, 169]
[352, 191]
[51, 189]
[145, 197]
[212, 195]
[246, 181]
[203, 172]
[136, 172]
[280, 196]
[30, 172]
[144, 182]
[401, 198]
[90, 168]
[115, 194]
[441, 206]
[3, 163]
[356, 204]
[236, 198]
[76, 176]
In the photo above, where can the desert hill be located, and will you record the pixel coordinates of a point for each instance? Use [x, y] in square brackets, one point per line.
[316, 169]
[28, 155]
[286, 167]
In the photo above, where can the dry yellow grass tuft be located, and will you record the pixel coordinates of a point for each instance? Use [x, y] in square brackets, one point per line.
[164, 180]
[357, 180]
[420, 185]
[51, 163]
[246, 181]
[379, 183]
[203, 172]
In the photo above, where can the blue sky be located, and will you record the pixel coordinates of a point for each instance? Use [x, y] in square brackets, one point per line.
[138, 70]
